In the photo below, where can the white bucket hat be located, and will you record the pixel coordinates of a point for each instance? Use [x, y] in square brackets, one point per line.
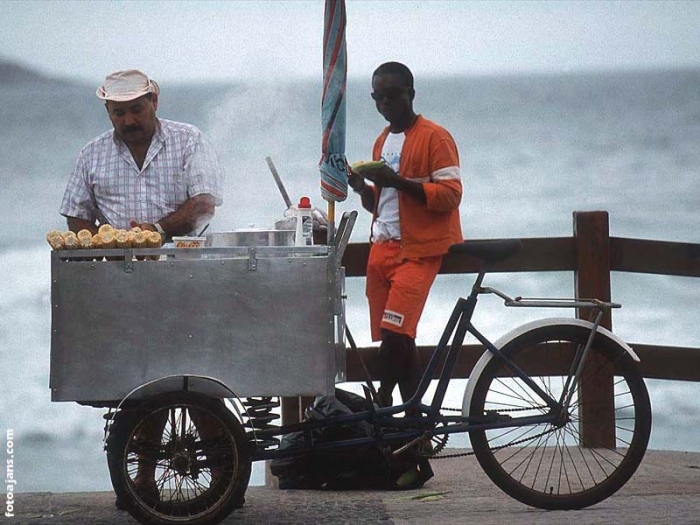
[125, 85]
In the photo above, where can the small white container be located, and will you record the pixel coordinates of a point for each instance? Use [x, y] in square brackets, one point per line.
[189, 242]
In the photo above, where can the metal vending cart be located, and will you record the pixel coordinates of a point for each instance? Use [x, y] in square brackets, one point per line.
[261, 320]
[130, 326]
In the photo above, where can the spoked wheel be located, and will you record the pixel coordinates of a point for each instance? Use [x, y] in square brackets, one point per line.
[552, 466]
[180, 457]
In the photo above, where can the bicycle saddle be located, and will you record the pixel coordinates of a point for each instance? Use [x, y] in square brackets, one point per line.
[489, 251]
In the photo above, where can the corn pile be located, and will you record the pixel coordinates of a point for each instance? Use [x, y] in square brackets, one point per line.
[105, 238]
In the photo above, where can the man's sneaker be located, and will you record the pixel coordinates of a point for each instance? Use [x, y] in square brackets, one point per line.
[415, 477]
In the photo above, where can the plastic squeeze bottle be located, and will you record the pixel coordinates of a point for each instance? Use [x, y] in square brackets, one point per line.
[305, 224]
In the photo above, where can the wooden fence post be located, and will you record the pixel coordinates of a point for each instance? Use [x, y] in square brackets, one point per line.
[592, 280]
[292, 409]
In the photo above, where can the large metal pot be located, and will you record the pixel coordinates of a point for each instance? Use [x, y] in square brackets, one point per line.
[251, 237]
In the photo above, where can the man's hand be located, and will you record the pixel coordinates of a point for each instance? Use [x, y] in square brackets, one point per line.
[382, 176]
[192, 214]
[385, 177]
[75, 225]
[143, 225]
[356, 181]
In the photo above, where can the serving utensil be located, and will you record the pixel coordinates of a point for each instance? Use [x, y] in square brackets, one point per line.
[278, 180]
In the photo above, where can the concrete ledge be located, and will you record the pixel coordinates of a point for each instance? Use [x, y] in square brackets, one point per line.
[666, 489]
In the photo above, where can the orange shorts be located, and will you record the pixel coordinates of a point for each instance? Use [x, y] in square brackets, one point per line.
[397, 289]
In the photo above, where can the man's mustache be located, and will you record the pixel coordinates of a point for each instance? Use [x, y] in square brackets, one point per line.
[131, 129]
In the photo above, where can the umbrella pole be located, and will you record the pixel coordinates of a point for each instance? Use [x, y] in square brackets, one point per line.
[331, 222]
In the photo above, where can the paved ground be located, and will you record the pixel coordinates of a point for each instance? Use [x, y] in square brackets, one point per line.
[665, 490]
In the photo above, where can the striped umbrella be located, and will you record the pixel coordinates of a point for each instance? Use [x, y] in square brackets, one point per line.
[333, 166]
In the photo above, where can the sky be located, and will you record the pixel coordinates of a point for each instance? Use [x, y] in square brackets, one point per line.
[202, 41]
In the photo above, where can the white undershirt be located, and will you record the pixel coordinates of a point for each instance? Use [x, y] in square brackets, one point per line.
[387, 226]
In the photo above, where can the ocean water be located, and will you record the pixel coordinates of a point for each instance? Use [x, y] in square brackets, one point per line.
[533, 150]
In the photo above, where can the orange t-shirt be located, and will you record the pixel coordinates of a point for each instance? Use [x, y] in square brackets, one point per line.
[429, 156]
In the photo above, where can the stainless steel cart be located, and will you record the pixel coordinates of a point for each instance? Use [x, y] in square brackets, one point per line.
[255, 321]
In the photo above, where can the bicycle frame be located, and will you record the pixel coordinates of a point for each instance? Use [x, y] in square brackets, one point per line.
[414, 428]
[460, 324]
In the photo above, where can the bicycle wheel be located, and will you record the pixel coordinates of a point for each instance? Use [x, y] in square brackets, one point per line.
[180, 457]
[546, 465]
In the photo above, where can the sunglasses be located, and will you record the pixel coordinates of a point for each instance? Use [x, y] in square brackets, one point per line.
[388, 93]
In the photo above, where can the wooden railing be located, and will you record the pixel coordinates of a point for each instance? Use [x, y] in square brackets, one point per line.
[591, 254]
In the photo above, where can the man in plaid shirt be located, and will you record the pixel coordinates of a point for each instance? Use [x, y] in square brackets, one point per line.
[154, 173]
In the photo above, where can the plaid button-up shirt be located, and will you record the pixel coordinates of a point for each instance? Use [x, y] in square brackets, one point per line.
[179, 165]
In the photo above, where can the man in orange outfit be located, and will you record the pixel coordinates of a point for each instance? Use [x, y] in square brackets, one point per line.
[414, 199]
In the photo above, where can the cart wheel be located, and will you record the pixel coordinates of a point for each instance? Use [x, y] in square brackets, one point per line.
[180, 457]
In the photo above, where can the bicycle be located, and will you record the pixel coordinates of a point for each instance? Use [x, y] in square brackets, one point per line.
[527, 407]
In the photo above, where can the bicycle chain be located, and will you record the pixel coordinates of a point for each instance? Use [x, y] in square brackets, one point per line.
[465, 454]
